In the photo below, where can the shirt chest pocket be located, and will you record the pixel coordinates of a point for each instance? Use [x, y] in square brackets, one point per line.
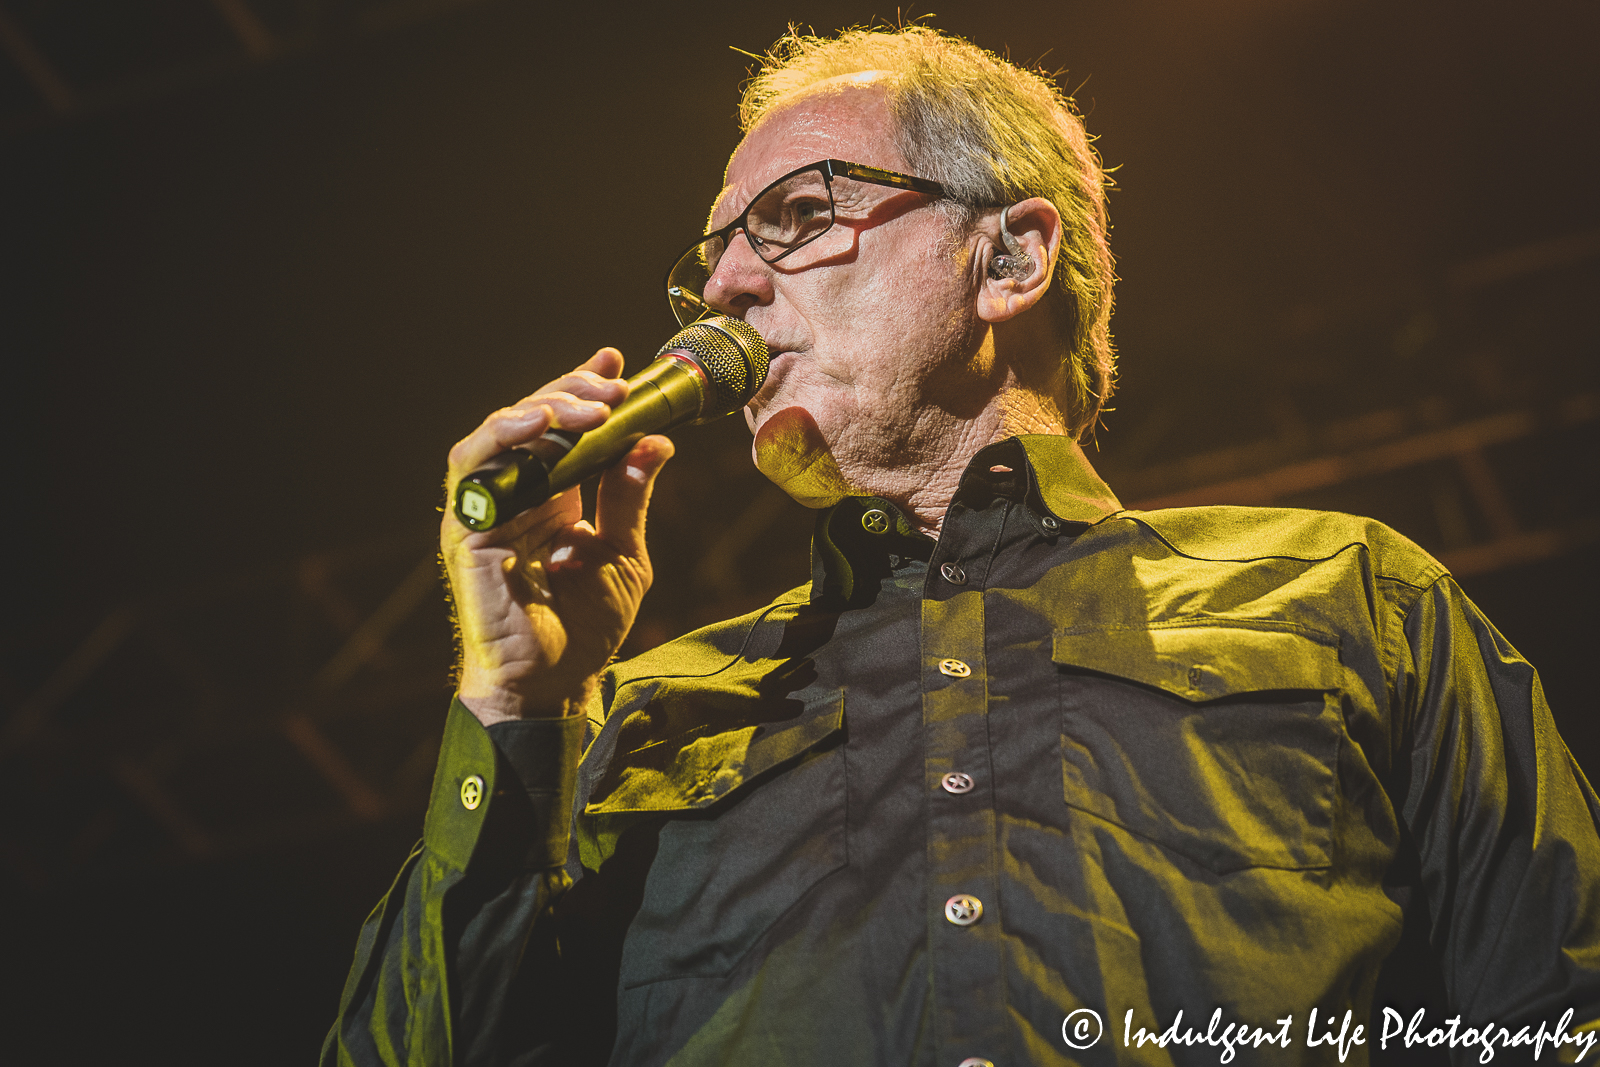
[743, 822]
[1218, 742]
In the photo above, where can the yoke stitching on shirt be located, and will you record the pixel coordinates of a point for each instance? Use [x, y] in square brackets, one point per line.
[1196, 622]
[737, 656]
[1284, 555]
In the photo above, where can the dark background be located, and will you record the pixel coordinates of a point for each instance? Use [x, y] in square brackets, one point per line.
[257, 279]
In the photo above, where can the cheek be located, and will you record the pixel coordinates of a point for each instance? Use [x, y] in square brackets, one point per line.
[902, 270]
[919, 306]
[878, 326]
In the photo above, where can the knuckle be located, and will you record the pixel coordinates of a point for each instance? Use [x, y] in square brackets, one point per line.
[513, 411]
[599, 381]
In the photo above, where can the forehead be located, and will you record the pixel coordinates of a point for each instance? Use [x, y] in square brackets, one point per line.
[843, 118]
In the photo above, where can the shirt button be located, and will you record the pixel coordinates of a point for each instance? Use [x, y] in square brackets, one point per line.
[956, 782]
[472, 792]
[976, 1061]
[1050, 522]
[875, 521]
[963, 909]
[953, 574]
[954, 668]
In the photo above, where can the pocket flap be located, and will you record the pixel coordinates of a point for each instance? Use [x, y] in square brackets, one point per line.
[697, 768]
[1224, 748]
[1205, 660]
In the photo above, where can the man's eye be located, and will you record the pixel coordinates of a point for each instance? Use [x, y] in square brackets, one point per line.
[802, 212]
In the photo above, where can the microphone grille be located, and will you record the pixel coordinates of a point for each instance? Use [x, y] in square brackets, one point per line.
[733, 356]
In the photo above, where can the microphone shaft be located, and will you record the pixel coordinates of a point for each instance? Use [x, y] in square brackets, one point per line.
[660, 397]
[667, 393]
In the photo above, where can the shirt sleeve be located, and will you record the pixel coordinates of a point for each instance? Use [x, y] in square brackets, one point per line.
[1503, 821]
[455, 965]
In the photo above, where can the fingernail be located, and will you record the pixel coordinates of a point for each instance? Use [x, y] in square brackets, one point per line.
[636, 474]
[561, 555]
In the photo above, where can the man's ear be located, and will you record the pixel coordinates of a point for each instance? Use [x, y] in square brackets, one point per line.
[1016, 273]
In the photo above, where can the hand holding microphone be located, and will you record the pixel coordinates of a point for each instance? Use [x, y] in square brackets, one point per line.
[709, 369]
[542, 598]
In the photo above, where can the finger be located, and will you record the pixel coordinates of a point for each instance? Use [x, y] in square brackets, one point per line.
[583, 383]
[571, 548]
[579, 400]
[567, 410]
[607, 362]
[582, 405]
[624, 495]
[519, 425]
[500, 431]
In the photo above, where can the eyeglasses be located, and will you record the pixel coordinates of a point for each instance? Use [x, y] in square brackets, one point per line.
[783, 218]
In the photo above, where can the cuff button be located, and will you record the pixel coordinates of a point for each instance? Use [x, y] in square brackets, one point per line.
[472, 792]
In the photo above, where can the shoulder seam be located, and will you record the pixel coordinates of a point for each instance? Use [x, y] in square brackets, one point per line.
[1427, 576]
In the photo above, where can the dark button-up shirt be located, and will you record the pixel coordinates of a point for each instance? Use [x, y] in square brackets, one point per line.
[1010, 796]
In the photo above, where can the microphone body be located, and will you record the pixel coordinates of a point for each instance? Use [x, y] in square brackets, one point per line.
[707, 370]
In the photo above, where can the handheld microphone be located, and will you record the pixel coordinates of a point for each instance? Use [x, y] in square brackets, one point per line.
[709, 369]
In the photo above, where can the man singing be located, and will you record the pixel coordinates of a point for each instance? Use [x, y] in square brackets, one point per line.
[1016, 755]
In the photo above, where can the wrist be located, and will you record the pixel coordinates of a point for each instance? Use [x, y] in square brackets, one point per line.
[492, 703]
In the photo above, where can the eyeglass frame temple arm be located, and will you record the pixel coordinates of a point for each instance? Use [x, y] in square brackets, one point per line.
[862, 172]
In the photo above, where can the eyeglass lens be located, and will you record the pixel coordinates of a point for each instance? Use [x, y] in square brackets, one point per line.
[796, 210]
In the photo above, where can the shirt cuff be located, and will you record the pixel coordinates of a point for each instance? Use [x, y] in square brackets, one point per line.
[505, 792]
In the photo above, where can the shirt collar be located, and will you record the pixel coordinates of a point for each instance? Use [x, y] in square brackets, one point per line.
[1047, 474]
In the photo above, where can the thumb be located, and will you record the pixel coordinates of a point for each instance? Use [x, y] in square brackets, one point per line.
[624, 495]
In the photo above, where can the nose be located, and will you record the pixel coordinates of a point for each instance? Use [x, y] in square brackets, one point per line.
[742, 279]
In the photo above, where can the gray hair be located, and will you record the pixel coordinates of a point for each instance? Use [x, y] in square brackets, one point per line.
[993, 134]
